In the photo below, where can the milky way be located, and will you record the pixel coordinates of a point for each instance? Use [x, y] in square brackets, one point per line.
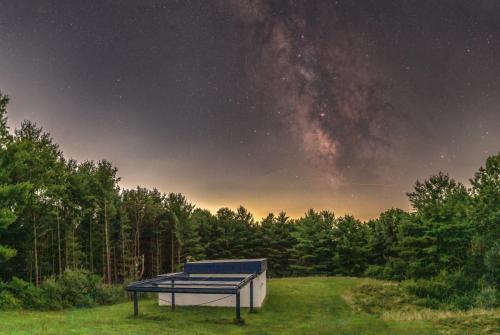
[322, 80]
[275, 105]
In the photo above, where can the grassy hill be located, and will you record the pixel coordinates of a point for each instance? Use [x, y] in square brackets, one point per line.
[294, 306]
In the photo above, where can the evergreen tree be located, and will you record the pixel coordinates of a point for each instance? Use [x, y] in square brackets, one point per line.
[245, 235]
[278, 242]
[206, 223]
[437, 235]
[350, 238]
[8, 191]
[313, 252]
[383, 243]
[107, 199]
[185, 229]
[485, 216]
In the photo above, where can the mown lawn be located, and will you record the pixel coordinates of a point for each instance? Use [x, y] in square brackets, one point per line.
[293, 306]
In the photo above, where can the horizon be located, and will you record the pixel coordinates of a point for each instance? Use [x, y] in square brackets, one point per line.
[258, 216]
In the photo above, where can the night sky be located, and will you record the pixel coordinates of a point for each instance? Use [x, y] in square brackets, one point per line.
[284, 105]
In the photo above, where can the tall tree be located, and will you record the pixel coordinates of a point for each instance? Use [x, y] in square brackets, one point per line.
[485, 216]
[350, 238]
[383, 235]
[8, 191]
[436, 236]
[33, 159]
[187, 239]
[313, 252]
[108, 192]
[278, 242]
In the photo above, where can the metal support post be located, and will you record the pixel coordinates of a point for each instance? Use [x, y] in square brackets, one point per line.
[136, 304]
[173, 297]
[251, 296]
[238, 311]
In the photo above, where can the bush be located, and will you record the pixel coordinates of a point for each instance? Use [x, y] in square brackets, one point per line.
[375, 271]
[106, 294]
[8, 301]
[75, 288]
[446, 290]
[492, 262]
[487, 298]
[393, 270]
[51, 295]
[376, 297]
[25, 292]
[78, 288]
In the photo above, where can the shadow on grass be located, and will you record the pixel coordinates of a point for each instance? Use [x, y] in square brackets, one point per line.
[214, 320]
[223, 321]
[149, 317]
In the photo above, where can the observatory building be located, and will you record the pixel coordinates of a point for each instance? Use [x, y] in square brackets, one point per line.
[223, 283]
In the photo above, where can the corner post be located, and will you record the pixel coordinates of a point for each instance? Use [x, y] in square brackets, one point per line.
[173, 297]
[251, 296]
[238, 311]
[136, 304]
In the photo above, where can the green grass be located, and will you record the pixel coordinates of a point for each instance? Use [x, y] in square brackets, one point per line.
[390, 302]
[294, 306]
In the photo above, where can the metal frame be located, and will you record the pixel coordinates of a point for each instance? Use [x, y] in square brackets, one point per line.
[175, 283]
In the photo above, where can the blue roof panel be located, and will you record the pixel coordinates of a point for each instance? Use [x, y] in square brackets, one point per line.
[227, 266]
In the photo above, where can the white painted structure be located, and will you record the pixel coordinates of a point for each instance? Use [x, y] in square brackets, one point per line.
[223, 269]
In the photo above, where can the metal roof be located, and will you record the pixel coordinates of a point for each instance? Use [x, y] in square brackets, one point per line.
[227, 266]
[184, 282]
[233, 260]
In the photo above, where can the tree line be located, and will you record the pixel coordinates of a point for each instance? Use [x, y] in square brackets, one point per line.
[58, 214]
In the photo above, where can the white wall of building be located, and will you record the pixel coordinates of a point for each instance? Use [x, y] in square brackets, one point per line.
[189, 299]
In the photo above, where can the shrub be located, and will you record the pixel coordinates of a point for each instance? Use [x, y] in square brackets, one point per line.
[487, 297]
[109, 294]
[446, 290]
[492, 262]
[8, 301]
[78, 288]
[51, 295]
[376, 297]
[25, 292]
[375, 271]
[75, 288]
[462, 301]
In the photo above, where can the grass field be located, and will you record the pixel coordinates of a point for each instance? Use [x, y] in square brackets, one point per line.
[294, 306]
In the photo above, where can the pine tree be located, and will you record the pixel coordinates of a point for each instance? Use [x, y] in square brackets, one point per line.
[7, 216]
[313, 252]
[277, 243]
[350, 238]
[485, 218]
[185, 230]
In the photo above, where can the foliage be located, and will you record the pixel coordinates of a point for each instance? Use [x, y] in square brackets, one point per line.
[8, 301]
[72, 289]
[277, 240]
[60, 216]
[7, 190]
[393, 302]
[350, 237]
[485, 218]
[109, 294]
[446, 290]
[313, 251]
